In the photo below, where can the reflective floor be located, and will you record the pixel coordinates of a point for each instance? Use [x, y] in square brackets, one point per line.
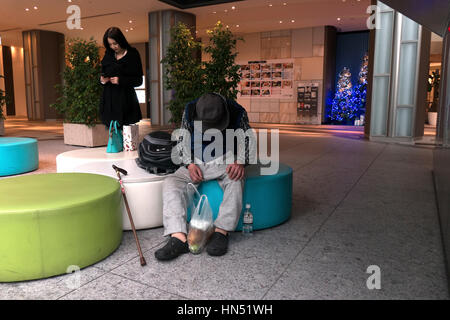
[356, 204]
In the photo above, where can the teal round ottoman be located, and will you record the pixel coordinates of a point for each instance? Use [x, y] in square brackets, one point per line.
[52, 222]
[270, 196]
[18, 155]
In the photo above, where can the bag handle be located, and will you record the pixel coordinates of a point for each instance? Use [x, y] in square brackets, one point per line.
[190, 184]
[110, 127]
[199, 205]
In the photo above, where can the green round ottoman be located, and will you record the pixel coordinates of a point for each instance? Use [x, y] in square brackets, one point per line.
[49, 222]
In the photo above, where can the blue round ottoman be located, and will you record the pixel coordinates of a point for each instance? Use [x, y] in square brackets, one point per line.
[18, 155]
[270, 196]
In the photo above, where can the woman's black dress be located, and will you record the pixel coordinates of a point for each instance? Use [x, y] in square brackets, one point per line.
[120, 102]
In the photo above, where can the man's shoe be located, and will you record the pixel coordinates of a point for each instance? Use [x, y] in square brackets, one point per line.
[218, 245]
[173, 248]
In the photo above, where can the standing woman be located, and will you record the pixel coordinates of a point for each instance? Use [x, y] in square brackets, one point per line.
[121, 72]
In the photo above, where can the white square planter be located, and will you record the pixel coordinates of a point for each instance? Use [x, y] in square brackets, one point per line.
[432, 118]
[82, 135]
[2, 127]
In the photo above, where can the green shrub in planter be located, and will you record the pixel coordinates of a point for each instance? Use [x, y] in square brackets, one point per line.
[183, 72]
[81, 89]
[221, 73]
[189, 78]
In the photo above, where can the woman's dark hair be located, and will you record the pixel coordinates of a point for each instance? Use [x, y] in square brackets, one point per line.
[117, 35]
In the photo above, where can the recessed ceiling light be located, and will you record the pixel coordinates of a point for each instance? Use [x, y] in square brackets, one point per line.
[284, 3]
[131, 29]
[237, 26]
[126, 30]
[226, 10]
[27, 9]
[233, 7]
[292, 20]
[281, 21]
[131, 21]
[214, 11]
[35, 8]
[270, 5]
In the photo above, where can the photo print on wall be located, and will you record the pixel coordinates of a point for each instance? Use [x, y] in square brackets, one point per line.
[270, 78]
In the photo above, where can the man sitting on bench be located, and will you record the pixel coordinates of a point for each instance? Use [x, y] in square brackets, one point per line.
[211, 111]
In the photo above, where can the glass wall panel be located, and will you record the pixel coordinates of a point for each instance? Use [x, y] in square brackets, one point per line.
[380, 104]
[403, 125]
[410, 30]
[383, 40]
[407, 74]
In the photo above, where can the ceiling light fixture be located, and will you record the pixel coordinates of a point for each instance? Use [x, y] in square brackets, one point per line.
[281, 21]
[233, 7]
[35, 8]
[27, 9]
[292, 20]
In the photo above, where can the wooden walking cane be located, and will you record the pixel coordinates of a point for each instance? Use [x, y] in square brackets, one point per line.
[119, 171]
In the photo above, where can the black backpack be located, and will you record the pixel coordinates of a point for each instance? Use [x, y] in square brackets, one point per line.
[155, 153]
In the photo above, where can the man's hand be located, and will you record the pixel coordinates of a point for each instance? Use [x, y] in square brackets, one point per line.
[236, 171]
[104, 79]
[195, 172]
[114, 80]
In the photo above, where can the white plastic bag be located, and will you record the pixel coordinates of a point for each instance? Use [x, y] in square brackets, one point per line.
[130, 137]
[201, 226]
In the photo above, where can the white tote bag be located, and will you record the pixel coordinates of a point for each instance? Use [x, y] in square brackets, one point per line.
[130, 137]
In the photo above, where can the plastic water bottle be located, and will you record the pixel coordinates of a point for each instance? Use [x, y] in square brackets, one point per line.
[247, 227]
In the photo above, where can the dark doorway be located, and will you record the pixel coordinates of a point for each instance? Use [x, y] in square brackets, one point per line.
[9, 81]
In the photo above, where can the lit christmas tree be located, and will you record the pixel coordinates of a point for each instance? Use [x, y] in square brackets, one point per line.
[360, 90]
[343, 107]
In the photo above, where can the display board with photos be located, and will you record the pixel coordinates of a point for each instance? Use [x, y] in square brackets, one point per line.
[307, 99]
[270, 78]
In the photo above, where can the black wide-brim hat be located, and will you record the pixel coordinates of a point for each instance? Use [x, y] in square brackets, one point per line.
[212, 110]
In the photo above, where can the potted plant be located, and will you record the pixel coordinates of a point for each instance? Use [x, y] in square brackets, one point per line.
[183, 72]
[222, 74]
[433, 85]
[2, 116]
[80, 95]
[189, 78]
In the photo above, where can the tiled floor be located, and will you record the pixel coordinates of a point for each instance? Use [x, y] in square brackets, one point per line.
[356, 204]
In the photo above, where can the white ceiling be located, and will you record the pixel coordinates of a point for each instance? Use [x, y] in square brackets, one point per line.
[250, 15]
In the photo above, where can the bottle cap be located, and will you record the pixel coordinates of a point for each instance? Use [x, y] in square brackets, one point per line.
[247, 206]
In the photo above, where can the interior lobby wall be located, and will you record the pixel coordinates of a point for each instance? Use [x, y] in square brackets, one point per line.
[305, 47]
